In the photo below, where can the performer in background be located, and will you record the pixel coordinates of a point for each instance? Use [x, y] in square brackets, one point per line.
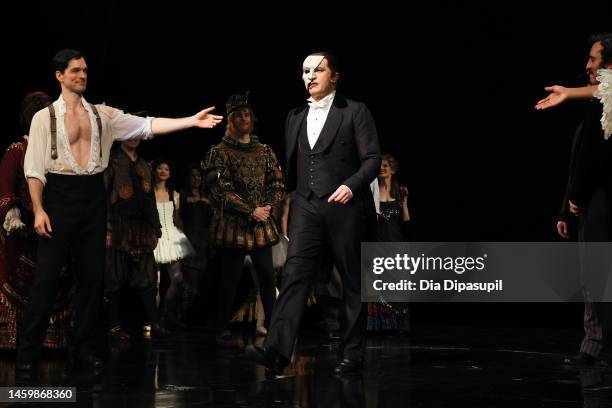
[173, 246]
[245, 183]
[392, 226]
[196, 214]
[18, 242]
[132, 231]
[588, 195]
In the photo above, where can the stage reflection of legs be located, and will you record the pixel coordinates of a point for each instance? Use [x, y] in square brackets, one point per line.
[596, 387]
[343, 391]
[132, 374]
[300, 386]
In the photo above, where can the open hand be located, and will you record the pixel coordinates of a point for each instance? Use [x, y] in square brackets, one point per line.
[205, 119]
[558, 94]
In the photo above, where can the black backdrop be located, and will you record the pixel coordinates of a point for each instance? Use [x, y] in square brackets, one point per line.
[452, 89]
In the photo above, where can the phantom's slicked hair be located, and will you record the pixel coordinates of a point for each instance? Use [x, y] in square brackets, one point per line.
[332, 62]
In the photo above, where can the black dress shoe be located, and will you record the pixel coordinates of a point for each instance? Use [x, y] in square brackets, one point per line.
[333, 335]
[348, 366]
[24, 365]
[86, 359]
[160, 332]
[581, 360]
[268, 357]
[225, 339]
[116, 333]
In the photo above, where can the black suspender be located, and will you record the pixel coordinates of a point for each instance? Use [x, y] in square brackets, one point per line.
[53, 132]
[99, 123]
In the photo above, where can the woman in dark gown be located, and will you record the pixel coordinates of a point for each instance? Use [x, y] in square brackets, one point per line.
[196, 213]
[392, 226]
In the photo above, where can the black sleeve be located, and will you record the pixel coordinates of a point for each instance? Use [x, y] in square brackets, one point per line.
[564, 213]
[366, 139]
[589, 166]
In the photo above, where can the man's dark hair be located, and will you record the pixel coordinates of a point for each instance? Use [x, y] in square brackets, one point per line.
[606, 42]
[332, 62]
[63, 57]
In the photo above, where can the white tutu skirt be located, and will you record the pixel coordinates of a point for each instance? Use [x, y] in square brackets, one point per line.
[173, 244]
[175, 248]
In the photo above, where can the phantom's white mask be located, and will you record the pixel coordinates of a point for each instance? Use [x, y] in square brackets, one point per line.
[308, 68]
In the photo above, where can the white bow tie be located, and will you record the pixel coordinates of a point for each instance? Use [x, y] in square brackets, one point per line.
[322, 104]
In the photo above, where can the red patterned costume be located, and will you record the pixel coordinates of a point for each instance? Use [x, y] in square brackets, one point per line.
[18, 257]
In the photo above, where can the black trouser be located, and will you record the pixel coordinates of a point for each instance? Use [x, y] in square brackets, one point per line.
[315, 224]
[231, 265]
[76, 206]
[147, 296]
[328, 292]
[594, 226]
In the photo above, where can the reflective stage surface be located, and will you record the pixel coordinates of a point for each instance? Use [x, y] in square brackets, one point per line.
[431, 367]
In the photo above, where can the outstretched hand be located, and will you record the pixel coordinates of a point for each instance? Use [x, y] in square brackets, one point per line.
[558, 94]
[205, 119]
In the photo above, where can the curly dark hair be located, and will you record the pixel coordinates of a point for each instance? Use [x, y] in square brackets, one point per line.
[606, 42]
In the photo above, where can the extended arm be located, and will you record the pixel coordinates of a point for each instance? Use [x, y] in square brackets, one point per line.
[559, 94]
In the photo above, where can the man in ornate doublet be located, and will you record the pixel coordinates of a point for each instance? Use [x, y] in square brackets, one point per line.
[245, 183]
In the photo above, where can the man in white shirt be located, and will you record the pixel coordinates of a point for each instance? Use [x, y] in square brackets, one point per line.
[332, 155]
[68, 151]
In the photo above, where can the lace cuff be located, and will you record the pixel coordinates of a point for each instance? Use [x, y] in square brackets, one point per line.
[12, 221]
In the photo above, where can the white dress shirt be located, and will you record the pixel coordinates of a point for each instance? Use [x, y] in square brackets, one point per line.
[116, 125]
[317, 115]
[376, 194]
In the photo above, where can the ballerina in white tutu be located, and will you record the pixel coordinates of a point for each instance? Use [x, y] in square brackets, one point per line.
[173, 246]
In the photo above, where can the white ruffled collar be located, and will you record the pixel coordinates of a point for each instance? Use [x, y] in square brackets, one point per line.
[604, 94]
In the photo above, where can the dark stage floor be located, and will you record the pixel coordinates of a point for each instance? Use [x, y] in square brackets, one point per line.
[433, 367]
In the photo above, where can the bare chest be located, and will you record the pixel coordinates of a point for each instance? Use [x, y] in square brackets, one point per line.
[78, 132]
[78, 127]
